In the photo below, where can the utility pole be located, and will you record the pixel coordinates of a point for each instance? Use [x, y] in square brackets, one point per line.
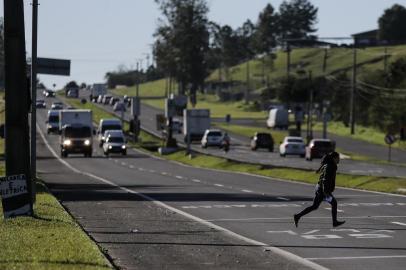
[137, 86]
[248, 83]
[17, 94]
[288, 59]
[310, 112]
[325, 60]
[385, 60]
[353, 89]
[34, 94]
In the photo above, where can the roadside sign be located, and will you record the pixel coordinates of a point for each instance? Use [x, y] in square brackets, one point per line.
[15, 196]
[53, 66]
[135, 106]
[390, 139]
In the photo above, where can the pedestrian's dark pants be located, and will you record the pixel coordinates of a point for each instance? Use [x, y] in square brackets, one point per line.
[316, 203]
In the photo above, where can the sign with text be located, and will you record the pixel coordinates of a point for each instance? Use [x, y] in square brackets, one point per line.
[15, 196]
[53, 66]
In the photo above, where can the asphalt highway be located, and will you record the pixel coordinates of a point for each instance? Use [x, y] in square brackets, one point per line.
[241, 151]
[250, 209]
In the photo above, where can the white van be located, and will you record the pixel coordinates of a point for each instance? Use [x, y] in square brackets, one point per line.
[278, 118]
[107, 124]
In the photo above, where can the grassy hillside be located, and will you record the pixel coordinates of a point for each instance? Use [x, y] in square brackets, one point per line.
[312, 59]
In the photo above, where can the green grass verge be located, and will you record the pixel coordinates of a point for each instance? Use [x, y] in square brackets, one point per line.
[149, 89]
[217, 108]
[50, 240]
[367, 134]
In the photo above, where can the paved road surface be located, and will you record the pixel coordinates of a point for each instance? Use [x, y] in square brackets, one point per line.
[106, 196]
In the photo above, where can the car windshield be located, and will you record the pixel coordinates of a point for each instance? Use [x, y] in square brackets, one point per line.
[77, 132]
[53, 119]
[295, 140]
[322, 144]
[215, 134]
[264, 137]
[115, 140]
[110, 127]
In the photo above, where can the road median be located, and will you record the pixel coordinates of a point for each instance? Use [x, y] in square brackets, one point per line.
[371, 183]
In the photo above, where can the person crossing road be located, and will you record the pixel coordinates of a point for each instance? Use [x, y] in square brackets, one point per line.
[324, 189]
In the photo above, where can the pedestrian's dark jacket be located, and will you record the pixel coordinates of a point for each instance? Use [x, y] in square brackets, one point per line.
[327, 180]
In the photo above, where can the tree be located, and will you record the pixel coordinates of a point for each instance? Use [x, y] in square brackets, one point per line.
[71, 84]
[183, 42]
[297, 19]
[392, 24]
[266, 30]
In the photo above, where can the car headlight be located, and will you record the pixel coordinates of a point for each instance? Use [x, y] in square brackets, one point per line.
[87, 142]
[123, 146]
[67, 142]
[102, 138]
[110, 147]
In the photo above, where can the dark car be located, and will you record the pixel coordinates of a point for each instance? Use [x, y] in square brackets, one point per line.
[40, 104]
[262, 140]
[317, 148]
[49, 93]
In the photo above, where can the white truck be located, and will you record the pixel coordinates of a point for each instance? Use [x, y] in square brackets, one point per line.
[76, 129]
[278, 118]
[97, 89]
[195, 123]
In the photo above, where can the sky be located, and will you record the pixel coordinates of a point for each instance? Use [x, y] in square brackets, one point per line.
[99, 36]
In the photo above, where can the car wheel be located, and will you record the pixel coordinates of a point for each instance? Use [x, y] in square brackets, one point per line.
[282, 155]
[106, 153]
[302, 156]
[124, 153]
[270, 149]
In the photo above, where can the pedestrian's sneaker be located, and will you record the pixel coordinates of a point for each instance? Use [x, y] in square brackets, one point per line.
[338, 223]
[296, 219]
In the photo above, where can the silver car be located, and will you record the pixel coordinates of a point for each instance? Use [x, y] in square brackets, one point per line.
[115, 144]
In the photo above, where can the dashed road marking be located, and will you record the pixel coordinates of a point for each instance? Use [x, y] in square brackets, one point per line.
[115, 160]
[123, 163]
[283, 198]
[246, 191]
[141, 169]
[152, 171]
[131, 167]
[399, 223]
[164, 173]
[356, 258]
[219, 185]
[196, 180]
[179, 177]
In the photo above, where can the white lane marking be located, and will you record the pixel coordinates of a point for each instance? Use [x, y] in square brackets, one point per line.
[196, 180]
[164, 173]
[291, 218]
[288, 232]
[123, 163]
[115, 160]
[131, 167]
[110, 158]
[283, 198]
[246, 191]
[356, 258]
[179, 177]
[311, 232]
[141, 169]
[219, 185]
[399, 223]
[281, 252]
[151, 171]
[338, 210]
